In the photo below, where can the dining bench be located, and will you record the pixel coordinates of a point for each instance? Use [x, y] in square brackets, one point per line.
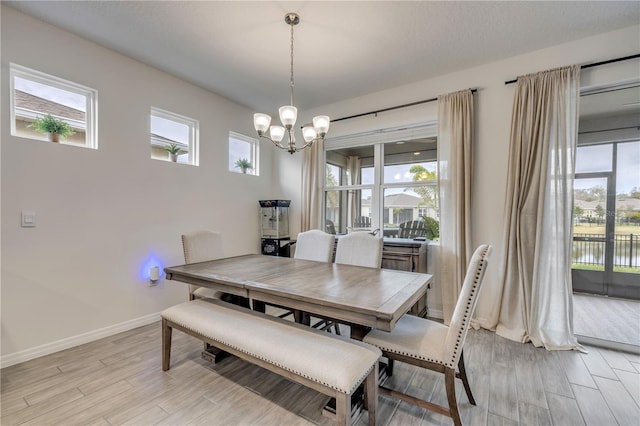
[333, 365]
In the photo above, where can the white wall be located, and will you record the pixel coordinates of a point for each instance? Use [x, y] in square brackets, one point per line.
[493, 103]
[102, 214]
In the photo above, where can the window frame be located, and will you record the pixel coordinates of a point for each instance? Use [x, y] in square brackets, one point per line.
[377, 139]
[193, 159]
[254, 148]
[90, 94]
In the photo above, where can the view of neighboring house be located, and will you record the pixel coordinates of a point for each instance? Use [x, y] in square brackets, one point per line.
[593, 211]
[29, 107]
[401, 207]
[160, 143]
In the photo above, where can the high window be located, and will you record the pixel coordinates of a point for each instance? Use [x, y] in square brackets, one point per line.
[243, 154]
[49, 108]
[174, 137]
[381, 184]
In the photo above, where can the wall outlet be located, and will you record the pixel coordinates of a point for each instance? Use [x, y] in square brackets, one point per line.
[28, 219]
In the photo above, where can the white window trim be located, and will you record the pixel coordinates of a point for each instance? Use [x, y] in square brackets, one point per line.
[194, 131]
[91, 95]
[255, 151]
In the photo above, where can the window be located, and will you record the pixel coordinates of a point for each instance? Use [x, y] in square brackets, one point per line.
[173, 137]
[382, 184]
[243, 154]
[36, 95]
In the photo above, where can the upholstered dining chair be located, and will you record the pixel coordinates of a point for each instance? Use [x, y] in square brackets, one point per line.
[314, 245]
[359, 249]
[318, 246]
[434, 346]
[200, 246]
[311, 245]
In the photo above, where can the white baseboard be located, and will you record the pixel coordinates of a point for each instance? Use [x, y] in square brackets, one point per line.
[70, 342]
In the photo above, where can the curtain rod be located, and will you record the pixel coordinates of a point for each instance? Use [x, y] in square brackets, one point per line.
[595, 64]
[391, 108]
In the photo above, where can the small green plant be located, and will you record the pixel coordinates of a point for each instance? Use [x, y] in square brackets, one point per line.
[244, 165]
[432, 227]
[172, 149]
[50, 124]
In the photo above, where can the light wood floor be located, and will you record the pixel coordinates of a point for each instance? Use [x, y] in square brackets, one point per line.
[607, 319]
[118, 380]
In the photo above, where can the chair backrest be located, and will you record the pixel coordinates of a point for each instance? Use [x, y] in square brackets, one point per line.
[412, 229]
[362, 222]
[200, 246]
[359, 249]
[314, 245]
[465, 305]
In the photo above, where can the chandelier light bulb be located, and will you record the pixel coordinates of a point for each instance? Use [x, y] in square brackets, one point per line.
[277, 133]
[321, 124]
[288, 115]
[309, 133]
[261, 122]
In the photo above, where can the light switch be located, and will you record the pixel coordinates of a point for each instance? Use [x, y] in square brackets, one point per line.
[28, 219]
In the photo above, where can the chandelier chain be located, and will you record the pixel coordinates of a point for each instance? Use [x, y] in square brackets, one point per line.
[292, 24]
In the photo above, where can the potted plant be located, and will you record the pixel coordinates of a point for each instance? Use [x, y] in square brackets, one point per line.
[52, 126]
[244, 165]
[173, 150]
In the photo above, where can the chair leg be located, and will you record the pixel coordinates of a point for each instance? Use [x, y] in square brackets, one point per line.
[450, 385]
[336, 326]
[390, 367]
[465, 381]
[166, 345]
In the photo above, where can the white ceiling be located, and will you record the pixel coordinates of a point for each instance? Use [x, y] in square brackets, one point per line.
[240, 49]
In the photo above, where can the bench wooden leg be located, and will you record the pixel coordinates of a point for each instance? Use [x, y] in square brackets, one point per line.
[343, 409]
[166, 345]
[371, 394]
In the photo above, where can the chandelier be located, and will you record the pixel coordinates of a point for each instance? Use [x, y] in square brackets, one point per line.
[289, 114]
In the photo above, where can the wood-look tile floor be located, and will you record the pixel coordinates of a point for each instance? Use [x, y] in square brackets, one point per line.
[607, 319]
[118, 380]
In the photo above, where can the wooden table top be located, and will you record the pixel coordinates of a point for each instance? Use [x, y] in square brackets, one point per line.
[360, 296]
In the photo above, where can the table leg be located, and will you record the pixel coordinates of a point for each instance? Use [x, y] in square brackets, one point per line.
[359, 331]
[213, 354]
[302, 317]
[259, 306]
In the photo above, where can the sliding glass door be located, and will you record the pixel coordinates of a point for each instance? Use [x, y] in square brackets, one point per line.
[606, 259]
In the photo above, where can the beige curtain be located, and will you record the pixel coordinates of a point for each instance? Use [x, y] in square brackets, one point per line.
[312, 194]
[537, 294]
[353, 201]
[455, 143]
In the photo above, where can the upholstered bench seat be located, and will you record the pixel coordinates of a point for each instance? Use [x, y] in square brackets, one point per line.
[331, 364]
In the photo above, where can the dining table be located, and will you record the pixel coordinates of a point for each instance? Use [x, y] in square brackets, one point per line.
[362, 298]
